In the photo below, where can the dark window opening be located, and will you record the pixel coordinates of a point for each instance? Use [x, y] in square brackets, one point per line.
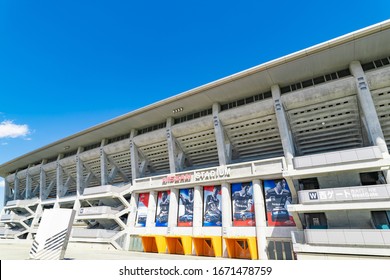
[381, 219]
[316, 221]
[372, 178]
[308, 184]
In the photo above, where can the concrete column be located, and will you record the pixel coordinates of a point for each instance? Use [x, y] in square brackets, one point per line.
[133, 210]
[16, 186]
[79, 180]
[226, 205]
[219, 136]
[368, 108]
[197, 219]
[60, 183]
[28, 185]
[134, 157]
[79, 176]
[7, 192]
[283, 126]
[173, 207]
[151, 217]
[227, 221]
[103, 168]
[261, 221]
[173, 168]
[42, 184]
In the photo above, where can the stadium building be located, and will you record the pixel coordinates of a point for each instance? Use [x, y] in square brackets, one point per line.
[285, 160]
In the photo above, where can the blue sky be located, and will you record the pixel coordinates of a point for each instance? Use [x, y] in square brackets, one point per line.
[68, 65]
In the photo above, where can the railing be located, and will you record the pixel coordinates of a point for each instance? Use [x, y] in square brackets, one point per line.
[98, 210]
[107, 189]
[11, 217]
[338, 157]
[92, 233]
[346, 237]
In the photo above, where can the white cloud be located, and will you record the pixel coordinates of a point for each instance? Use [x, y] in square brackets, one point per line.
[3, 143]
[10, 130]
[1, 183]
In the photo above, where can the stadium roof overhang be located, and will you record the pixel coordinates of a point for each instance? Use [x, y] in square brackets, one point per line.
[364, 45]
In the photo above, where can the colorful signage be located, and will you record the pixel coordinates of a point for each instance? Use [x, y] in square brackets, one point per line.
[162, 208]
[142, 209]
[243, 206]
[172, 179]
[186, 208]
[277, 197]
[212, 206]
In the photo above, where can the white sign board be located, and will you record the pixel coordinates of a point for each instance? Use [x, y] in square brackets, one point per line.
[53, 234]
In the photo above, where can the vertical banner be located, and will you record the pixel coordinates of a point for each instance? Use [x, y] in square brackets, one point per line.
[142, 209]
[162, 208]
[243, 206]
[277, 197]
[186, 207]
[212, 206]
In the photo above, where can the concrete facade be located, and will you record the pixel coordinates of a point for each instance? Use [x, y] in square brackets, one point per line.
[316, 121]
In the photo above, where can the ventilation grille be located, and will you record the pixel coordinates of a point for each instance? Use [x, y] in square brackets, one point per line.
[194, 116]
[248, 100]
[326, 127]
[382, 104]
[376, 64]
[117, 138]
[151, 128]
[315, 81]
[255, 139]
[92, 146]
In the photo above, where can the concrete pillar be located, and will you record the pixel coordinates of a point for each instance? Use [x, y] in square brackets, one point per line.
[7, 192]
[134, 157]
[28, 185]
[42, 184]
[133, 210]
[16, 186]
[103, 164]
[79, 180]
[131, 219]
[173, 207]
[197, 219]
[368, 108]
[370, 116]
[283, 126]
[261, 221]
[151, 217]
[173, 168]
[79, 176]
[227, 221]
[60, 182]
[219, 136]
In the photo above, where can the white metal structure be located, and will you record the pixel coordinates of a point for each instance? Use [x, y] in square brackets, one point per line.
[318, 118]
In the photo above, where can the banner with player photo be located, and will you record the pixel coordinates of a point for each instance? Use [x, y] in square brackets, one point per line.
[162, 208]
[142, 209]
[277, 197]
[212, 205]
[243, 206]
[186, 208]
